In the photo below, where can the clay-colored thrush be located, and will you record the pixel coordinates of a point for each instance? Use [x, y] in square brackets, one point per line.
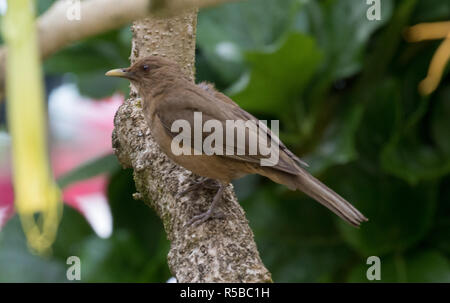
[168, 97]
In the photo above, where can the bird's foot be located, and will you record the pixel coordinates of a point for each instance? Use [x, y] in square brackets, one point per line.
[206, 182]
[212, 212]
[202, 218]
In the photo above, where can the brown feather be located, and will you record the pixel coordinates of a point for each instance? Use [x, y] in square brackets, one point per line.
[168, 96]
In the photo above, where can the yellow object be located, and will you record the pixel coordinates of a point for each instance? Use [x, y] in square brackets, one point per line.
[430, 31]
[436, 69]
[427, 31]
[37, 198]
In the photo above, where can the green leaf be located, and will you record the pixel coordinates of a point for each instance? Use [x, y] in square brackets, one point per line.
[43, 5]
[422, 267]
[88, 60]
[105, 164]
[379, 121]
[96, 85]
[337, 145]
[439, 236]
[296, 236]
[399, 215]
[411, 155]
[18, 265]
[69, 239]
[224, 32]
[431, 10]
[440, 125]
[343, 30]
[278, 77]
[133, 215]
[250, 24]
[412, 160]
[137, 250]
[120, 258]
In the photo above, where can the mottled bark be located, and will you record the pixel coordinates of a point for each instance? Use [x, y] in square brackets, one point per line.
[220, 250]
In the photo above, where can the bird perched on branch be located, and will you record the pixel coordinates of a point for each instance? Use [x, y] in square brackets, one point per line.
[168, 96]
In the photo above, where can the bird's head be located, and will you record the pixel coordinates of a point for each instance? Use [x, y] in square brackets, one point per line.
[147, 71]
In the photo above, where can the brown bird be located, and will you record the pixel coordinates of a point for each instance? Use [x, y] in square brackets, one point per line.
[168, 96]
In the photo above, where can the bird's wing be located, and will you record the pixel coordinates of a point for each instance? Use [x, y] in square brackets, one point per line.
[240, 112]
[246, 115]
[183, 104]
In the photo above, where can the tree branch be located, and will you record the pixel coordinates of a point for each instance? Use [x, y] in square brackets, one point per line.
[220, 250]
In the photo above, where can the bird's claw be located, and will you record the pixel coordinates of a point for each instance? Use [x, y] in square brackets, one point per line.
[202, 218]
[207, 183]
[212, 211]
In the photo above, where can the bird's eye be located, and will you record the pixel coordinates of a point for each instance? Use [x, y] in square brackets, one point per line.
[145, 67]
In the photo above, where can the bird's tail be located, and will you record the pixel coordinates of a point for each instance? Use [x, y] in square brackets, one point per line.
[327, 197]
[319, 192]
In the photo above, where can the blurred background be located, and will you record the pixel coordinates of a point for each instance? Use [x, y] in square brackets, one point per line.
[345, 91]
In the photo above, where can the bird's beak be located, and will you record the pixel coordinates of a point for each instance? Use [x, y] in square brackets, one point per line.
[120, 72]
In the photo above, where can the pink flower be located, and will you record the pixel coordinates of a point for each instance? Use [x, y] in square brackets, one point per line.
[80, 131]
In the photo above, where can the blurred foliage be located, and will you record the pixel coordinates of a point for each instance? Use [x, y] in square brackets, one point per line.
[136, 252]
[345, 91]
[92, 168]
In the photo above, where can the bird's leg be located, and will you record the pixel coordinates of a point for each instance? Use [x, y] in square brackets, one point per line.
[198, 185]
[199, 219]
